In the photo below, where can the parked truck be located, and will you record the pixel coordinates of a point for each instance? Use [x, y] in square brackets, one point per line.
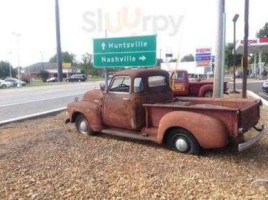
[139, 104]
[182, 86]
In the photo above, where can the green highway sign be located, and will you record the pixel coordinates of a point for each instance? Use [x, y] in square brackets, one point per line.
[125, 52]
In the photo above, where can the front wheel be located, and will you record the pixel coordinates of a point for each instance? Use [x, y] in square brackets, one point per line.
[183, 141]
[208, 94]
[82, 125]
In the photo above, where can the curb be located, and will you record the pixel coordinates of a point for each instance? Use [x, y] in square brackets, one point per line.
[254, 95]
[33, 116]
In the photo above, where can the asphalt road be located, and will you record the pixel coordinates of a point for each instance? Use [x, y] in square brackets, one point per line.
[253, 85]
[20, 102]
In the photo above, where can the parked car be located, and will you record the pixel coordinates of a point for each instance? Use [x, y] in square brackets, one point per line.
[139, 104]
[77, 78]
[265, 86]
[5, 84]
[52, 79]
[183, 86]
[15, 82]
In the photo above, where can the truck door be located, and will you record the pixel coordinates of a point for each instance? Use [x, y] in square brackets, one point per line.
[180, 83]
[117, 104]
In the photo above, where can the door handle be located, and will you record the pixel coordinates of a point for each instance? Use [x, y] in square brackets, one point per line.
[125, 99]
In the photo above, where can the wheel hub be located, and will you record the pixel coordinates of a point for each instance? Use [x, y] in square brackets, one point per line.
[181, 145]
[83, 127]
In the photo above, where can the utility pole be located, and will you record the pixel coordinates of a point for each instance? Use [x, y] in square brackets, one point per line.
[219, 64]
[106, 70]
[234, 59]
[245, 56]
[59, 56]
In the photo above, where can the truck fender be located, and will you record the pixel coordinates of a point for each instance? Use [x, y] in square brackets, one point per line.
[90, 111]
[210, 132]
[204, 88]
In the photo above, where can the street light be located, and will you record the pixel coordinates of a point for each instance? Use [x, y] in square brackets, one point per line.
[17, 36]
[234, 58]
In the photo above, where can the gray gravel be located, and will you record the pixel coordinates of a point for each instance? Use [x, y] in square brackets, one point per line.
[45, 159]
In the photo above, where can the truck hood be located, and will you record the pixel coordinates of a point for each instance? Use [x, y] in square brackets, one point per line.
[93, 96]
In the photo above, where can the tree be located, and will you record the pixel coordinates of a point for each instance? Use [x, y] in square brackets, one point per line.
[44, 75]
[66, 58]
[261, 34]
[229, 56]
[188, 58]
[5, 70]
[87, 66]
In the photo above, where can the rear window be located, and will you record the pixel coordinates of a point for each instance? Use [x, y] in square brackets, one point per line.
[178, 75]
[157, 81]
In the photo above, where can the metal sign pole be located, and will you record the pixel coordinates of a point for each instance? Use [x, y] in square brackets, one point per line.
[106, 70]
[245, 57]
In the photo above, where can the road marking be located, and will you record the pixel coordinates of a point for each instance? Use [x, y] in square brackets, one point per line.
[265, 95]
[254, 95]
[32, 116]
[38, 100]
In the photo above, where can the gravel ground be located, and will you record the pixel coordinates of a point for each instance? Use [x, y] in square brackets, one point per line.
[45, 159]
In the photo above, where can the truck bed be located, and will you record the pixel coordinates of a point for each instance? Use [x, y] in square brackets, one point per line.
[238, 116]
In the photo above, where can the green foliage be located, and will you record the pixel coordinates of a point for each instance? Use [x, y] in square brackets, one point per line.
[261, 34]
[229, 56]
[44, 75]
[188, 58]
[87, 66]
[4, 70]
[66, 58]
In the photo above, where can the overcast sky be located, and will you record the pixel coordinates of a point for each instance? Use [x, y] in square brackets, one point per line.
[181, 26]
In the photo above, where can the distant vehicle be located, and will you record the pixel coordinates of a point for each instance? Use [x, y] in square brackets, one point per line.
[5, 84]
[239, 74]
[265, 86]
[52, 79]
[77, 78]
[15, 82]
[183, 86]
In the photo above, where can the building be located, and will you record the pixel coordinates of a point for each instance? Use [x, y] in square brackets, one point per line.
[52, 68]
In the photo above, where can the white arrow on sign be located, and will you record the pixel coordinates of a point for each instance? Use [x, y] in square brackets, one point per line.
[103, 46]
[143, 58]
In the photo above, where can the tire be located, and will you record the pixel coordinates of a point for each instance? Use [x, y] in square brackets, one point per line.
[183, 141]
[4, 86]
[82, 125]
[208, 94]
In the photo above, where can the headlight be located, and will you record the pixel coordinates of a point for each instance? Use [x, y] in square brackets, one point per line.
[67, 114]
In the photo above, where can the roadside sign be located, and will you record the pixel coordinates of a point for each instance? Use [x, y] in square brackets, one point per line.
[203, 57]
[125, 52]
[67, 65]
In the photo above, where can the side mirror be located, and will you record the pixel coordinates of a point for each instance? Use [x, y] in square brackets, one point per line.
[102, 87]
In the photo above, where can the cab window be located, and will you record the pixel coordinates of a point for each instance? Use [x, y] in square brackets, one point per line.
[178, 75]
[157, 81]
[121, 84]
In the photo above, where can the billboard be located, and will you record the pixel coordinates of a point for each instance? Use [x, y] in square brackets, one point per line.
[203, 57]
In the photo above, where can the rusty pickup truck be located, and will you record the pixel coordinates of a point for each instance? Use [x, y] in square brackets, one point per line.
[139, 104]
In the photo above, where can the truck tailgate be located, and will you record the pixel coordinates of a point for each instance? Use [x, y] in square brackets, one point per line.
[249, 116]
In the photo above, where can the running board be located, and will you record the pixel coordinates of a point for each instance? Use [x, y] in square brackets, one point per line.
[128, 134]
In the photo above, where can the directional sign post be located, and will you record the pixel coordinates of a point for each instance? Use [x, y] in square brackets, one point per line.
[125, 52]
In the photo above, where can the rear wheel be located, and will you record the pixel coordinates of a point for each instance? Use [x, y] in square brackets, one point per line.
[82, 125]
[183, 141]
[4, 86]
[208, 94]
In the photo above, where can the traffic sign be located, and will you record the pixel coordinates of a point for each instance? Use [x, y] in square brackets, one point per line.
[125, 52]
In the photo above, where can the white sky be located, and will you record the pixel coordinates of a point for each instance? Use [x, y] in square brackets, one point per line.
[35, 21]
